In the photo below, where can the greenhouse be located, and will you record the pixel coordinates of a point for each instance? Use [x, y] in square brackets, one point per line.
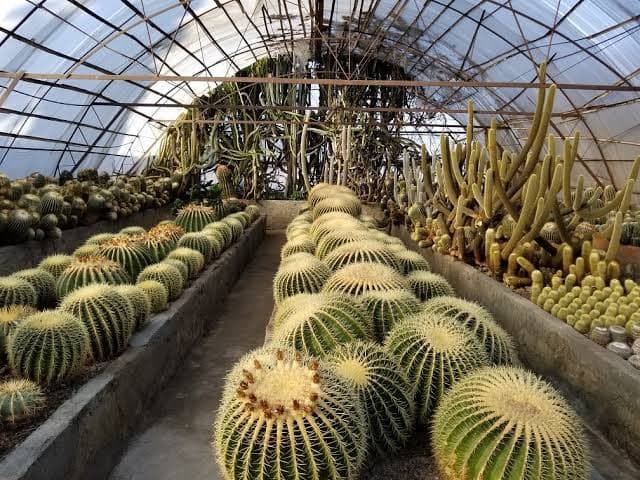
[319, 240]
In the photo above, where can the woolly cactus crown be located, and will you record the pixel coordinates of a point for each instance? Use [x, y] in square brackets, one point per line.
[361, 278]
[266, 393]
[169, 230]
[520, 427]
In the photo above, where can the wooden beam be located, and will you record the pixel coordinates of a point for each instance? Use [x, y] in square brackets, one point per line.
[9, 88]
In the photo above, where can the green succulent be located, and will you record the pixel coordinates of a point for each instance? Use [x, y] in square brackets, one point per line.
[427, 285]
[506, 423]
[198, 241]
[100, 238]
[158, 246]
[56, 264]
[218, 242]
[242, 217]
[131, 254]
[366, 251]
[167, 275]
[44, 284]
[384, 391]
[87, 250]
[51, 202]
[408, 261]
[20, 399]
[10, 318]
[157, 293]
[300, 244]
[133, 230]
[107, 315]
[19, 223]
[336, 238]
[386, 308]
[434, 353]
[236, 226]
[310, 422]
[140, 302]
[48, 347]
[361, 278]
[193, 218]
[193, 259]
[87, 270]
[17, 291]
[223, 229]
[338, 203]
[253, 211]
[299, 273]
[182, 268]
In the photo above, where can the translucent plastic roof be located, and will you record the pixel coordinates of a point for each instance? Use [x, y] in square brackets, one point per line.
[50, 125]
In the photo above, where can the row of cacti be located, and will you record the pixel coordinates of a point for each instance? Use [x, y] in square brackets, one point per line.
[97, 307]
[365, 346]
[38, 207]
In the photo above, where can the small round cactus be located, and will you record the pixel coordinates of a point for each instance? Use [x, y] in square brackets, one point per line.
[20, 399]
[182, 268]
[87, 250]
[434, 353]
[324, 190]
[299, 273]
[253, 211]
[168, 275]
[222, 228]
[100, 238]
[10, 318]
[133, 230]
[218, 242]
[158, 245]
[48, 347]
[336, 238]
[56, 264]
[193, 259]
[157, 293]
[388, 307]
[497, 342]
[426, 285]
[139, 301]
[318, 323]
[384, 391]
[107, 315]
[299, 244]
[338, 203]
[198, 241]
[366, 251]
[193, 218]
[236, 227]
[17, 291]
[128, 252]
[409, 261]
[87, 270]
[44, 284]
[361, 278]
[518, 425]
[242, 217]
[309, 420]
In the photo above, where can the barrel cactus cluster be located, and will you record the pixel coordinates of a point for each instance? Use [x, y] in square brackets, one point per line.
[355, 307]
[39, 207]
[74, 310]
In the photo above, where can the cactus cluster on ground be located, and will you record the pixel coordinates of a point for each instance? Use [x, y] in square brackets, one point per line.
[392, 332]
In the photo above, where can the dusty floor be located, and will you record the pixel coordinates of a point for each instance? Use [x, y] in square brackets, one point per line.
[173, 440]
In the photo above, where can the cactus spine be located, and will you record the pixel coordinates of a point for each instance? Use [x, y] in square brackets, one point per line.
[17, 291]
[193, 218]
[299, 244]
[44, 284]
[235, 225]
[223, 229]
[409, 261]
[366, 251]
[10, 318]
[168, 275]
[128, 252]
[157, 293]
[19, 400]
[200, 242]
[193, 259]
[56, 264]
[139, 301]
[87, 270]
[361, 278]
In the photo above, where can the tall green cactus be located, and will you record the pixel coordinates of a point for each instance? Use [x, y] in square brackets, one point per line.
[20, 399]
[384, 391]
[361, 278]
[131, 254]
[299, 273]
[87, 270]
[366, 251]
[107, 315]
[388, 307]
[309, 420]
[17, 291]
[48, 347]
[44, 284]
[506, 423]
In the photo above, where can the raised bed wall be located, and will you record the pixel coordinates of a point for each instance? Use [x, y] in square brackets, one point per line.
[84, 438]
[606, 387]
[29, 254]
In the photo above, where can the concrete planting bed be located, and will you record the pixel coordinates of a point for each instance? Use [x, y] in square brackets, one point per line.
[604, 388]
[86, 435]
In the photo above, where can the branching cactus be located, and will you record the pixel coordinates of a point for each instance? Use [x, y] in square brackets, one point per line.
[193, 259]
[434, 353]
[131, 254]
[383, 389]
[497, 342]
[168, 275]
[10, 318]
[193, 218]
[299, 273]
[506, 423]
[426, 285]
[388, 307]
[55, 264]
[107, 315]
[139, 301]
[48, 347]
[87, 270]
[157, 293]
[17, 291]
[19, 400]
[301, 243]
[200, 242]
[409, 261]
[44, 284]
[361, 278]
[366, 251]
[317, 324]
[236, 227]
[309, 420]
[223, 228]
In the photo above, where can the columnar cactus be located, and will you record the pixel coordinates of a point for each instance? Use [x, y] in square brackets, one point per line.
[434, 353]
[16, 291]
[409, 261]
[157, 293]
[48, 347]
[366, 251]
[348, 204]
[139, 301]
[309, 420]
[301, 243]
[44, 284]
[383, 389]
[236, 227]
[107, 315]
[225, 179]
[193, 259]
[193, 218]
[388, 307]
[182, 268]
[56, 264]
[128, 252]
[200, 242]
[168, 275]
[10, 318]
[87, 270]
[318, 323]
[519, 425]
[100, 238]
[426, 285]
[299, 273]
[20, 399]
[496, 341]
[361, 278]
[223, 228]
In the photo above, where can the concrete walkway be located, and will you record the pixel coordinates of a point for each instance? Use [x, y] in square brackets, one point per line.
[174, 438]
